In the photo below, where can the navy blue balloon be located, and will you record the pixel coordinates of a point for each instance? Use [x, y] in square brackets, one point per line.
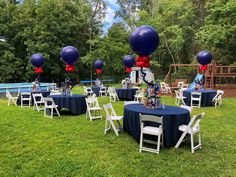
[144, 40]
[37, 60]
[69, 54]
[128, 61]
[98, 64]
[204, 57]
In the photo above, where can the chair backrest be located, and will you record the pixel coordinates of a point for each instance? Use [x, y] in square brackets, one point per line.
[196, 95]
[131, 102]
[8, 94]
[187, 107]
[150, 118]
[49, 101]
[195, 121]
[92, 102]
[25, 95]
[177, 93]
[109, 110]
[37, 95]
[103, 89]
[219, 95]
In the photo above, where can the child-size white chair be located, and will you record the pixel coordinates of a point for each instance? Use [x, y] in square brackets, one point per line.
[192, 128]
[138, 95]
[25, 99]
[50, 104]
[113, 96]
[217, 100]
[179, 98]
[88, 91]
[103, 91]
[38, 101]
[111, 117]
[93, 109]
[151, 130]
[196, 99]
[11, 98]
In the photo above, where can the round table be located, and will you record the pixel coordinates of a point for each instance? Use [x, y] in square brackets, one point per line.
[75, 103]
[96, 90]
[172, 118]
[206, 97]
[126, 93]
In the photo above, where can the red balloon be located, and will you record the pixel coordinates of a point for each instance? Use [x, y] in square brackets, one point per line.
[70, 68]
[99, 71]
[203, 67]
[128, 70]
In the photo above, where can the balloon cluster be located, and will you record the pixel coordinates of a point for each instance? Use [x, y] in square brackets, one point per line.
[69, 55]
[128, 62]
[37, 60]
[144, 40]
[204, 58]
[98, 65]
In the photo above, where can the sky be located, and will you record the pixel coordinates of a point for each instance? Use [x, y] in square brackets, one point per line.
[112, 7]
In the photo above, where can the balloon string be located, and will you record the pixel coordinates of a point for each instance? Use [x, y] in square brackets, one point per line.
[144, 79]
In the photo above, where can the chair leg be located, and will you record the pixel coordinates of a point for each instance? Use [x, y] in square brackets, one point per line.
[199, 139]
[114, 128]
[105, 131]
[141, 142]
[158, 143]
[180, 139]
[57, 112]
[51, 113]
[192, 143]
[8, 102]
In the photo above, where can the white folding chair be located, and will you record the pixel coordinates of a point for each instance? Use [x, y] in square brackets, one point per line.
[187, 107]
[88, 91]
[11, 98]
[38, 101]
[110, 118]
[196, 99]
[50, 104]
[25, 97]
[179, 98]
[180, 85]
[138, 96]
[217, 100]
[93, 109]
[103, 91]
[192, 128]
[167, 88]
[151, 130]
[131, 102]
[113, 96]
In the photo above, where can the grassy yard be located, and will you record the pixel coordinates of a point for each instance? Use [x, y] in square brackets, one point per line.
[31, 145]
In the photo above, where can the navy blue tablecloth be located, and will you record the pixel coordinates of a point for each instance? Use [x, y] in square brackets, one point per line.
[96, 90]
[172, 118]
[126, 93]
[206, 98]
[44, 93]
[75, 103]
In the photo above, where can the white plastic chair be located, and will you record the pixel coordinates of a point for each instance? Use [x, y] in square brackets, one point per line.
[187, 107]
[131, 102]
[88, 91]
[113, 96]
[196, 99]
[111, 117]
[192, 128]
[93, 109]
[103, 91]
[150, 130]
[217, 100]
[179, 98]
[50, 104]
[25, 97]
[38, 101]
[11, 98]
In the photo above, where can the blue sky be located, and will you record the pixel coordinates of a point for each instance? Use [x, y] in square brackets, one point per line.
[112, 7]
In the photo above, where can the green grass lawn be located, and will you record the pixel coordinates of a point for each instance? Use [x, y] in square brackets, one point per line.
[31, 145]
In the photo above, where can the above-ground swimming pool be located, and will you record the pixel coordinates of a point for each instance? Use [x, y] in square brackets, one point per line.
[24, 87]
